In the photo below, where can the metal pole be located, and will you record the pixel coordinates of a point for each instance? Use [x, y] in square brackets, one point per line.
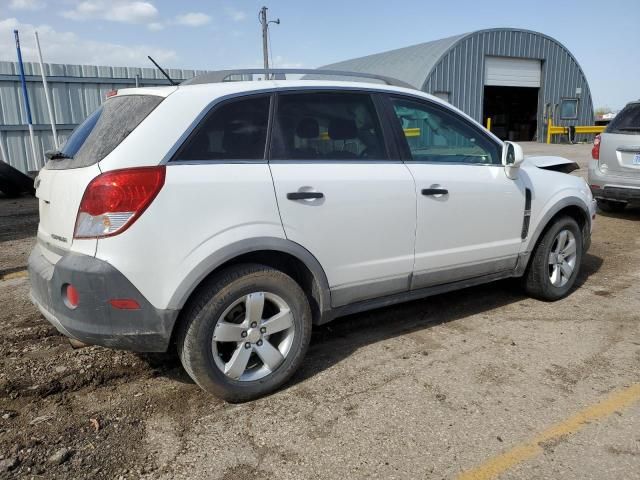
[52, 117]
[3, 152]
[25, 94]
[265, 48]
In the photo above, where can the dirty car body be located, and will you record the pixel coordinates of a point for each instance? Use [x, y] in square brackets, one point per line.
[172, 213]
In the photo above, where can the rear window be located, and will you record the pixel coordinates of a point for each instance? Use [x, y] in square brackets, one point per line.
[104, 130]
[627, 121]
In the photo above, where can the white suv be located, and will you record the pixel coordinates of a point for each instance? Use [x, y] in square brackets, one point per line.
[227, 218]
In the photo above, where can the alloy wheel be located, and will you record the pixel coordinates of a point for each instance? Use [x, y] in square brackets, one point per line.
[253, 336]
[562, 258]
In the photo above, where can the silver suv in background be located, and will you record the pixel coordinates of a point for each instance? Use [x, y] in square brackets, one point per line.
[614, 173]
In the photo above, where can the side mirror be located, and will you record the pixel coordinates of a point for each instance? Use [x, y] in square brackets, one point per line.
[512, 158]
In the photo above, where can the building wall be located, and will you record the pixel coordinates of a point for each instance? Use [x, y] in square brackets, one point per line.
[76, 91]
[460, 71]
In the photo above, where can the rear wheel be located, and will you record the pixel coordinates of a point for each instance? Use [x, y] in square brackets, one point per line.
[245, 332]
[611, 206]
[555, 262]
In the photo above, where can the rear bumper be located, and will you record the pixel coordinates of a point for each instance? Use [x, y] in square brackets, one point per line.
[94, 320]
[608, 187]
[621, 194]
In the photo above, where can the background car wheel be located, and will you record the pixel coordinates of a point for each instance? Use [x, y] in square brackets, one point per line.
[555, 262]
[611, 206]
[245, 332]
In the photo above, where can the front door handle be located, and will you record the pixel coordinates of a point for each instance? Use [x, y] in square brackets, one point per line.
[435, 191]
[304, 195]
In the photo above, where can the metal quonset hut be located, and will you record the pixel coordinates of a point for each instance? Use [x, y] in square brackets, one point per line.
[515, 77]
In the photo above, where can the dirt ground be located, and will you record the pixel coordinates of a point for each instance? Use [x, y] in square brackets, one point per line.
[428, 389]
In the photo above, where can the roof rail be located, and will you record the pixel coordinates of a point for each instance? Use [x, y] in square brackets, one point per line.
[280, 74]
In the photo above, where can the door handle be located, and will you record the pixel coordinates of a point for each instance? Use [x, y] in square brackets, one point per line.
[435, 191]
[304, 195]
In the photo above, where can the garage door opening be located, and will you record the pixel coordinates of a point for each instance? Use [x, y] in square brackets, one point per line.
[513, 112]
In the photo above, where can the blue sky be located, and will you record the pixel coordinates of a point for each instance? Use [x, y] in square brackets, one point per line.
[215, 34]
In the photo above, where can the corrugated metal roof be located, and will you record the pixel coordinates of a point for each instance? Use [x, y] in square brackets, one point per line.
[455, 66]
[409, 64]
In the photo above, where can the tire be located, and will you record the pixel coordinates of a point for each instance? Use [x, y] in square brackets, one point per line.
[13, 182]
[611, 206]
[216, 333]
[549, 281]
[9, 192]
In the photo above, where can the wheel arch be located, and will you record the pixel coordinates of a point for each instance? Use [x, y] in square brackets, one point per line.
[282, 254]
[573, 207]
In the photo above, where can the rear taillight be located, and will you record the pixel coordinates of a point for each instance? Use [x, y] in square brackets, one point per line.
[595, 150]
[114, 200]
[70, 296]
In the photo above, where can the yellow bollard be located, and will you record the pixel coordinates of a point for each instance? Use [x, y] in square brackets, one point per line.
[489, 123]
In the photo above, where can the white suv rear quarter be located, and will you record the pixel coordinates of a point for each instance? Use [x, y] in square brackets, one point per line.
[377, 235]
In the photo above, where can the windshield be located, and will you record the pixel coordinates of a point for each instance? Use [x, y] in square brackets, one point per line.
[104, 130]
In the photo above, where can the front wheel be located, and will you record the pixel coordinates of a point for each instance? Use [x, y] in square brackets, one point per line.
[245, 332]
[555, 262]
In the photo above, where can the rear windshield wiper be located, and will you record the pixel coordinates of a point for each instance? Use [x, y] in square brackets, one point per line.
[56, 155]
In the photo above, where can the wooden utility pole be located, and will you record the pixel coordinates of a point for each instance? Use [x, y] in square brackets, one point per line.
[265, 36]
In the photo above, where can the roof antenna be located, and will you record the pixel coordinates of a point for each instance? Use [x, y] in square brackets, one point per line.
[172, 82]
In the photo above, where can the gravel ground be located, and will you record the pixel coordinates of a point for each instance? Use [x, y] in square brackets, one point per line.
[428, 389]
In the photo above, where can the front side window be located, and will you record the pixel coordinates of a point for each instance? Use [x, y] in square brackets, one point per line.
[435, 135]
[569, 109]
[236, 130]
[327, 126]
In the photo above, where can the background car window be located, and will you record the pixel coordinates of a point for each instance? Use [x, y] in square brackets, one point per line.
[236, 130]
[327, 126]
[627, 121]
[434, 135]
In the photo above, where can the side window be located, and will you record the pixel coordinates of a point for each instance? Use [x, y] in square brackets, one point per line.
[327, 126]
[236, 130]
[435, 135]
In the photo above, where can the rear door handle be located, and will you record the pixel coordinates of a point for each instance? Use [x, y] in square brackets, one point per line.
[304, 195]
[435, 191]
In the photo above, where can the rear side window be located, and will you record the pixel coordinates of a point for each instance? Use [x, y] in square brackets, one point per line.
[627, 121]
[236, 130]
[104, 130]
[327, 126]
